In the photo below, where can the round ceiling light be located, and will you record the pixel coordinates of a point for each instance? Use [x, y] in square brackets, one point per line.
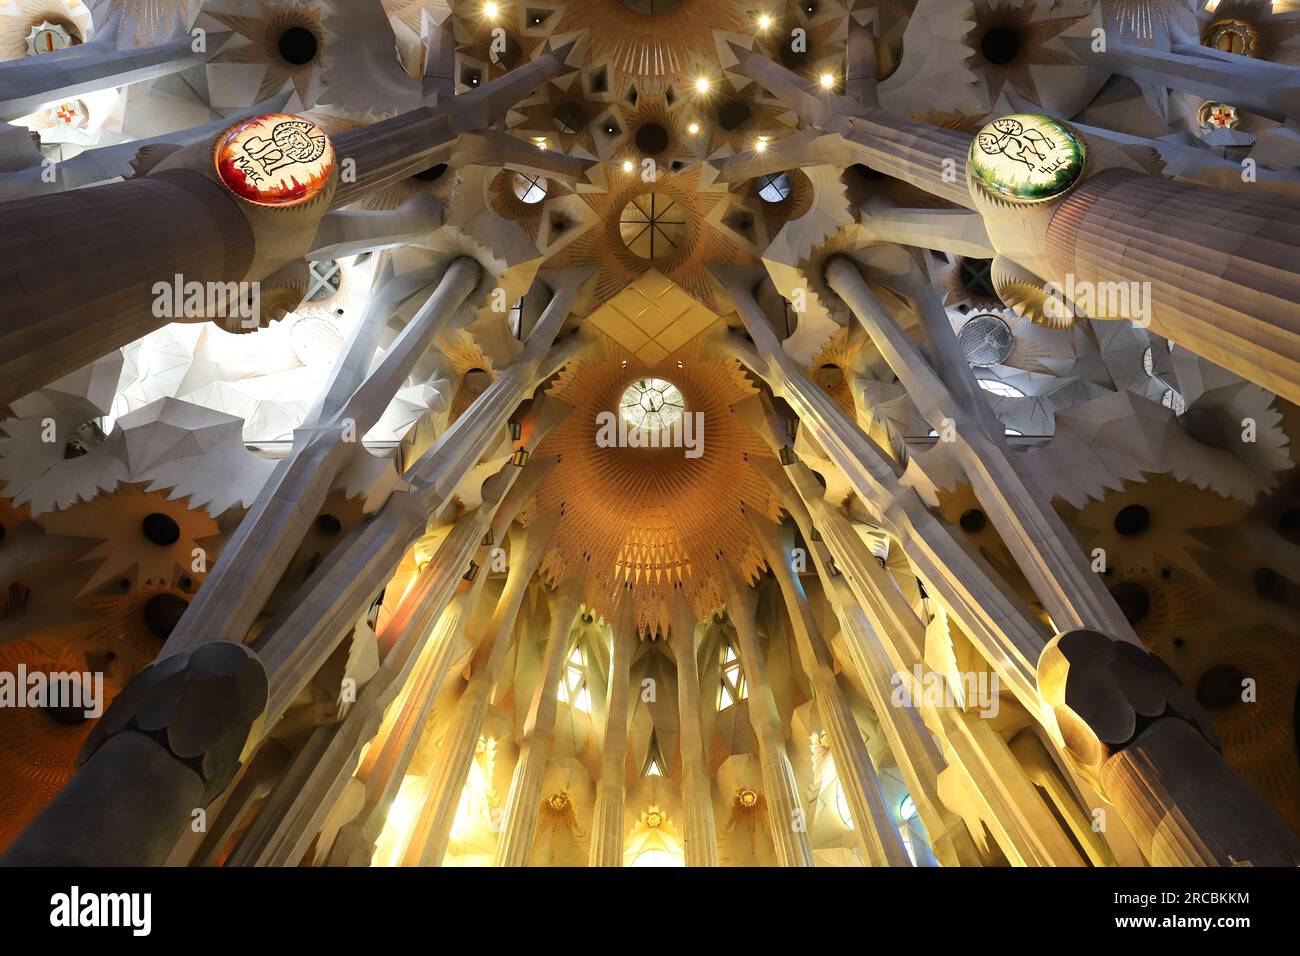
[652, 404]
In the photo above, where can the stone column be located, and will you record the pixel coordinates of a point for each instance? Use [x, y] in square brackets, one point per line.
[515, 843]
[1221, 266]
[1130, 724]
[873, 826]
[997, 622]
[1220, 285]
[886, 641]
[607, 832]
[433, 828]
[1041, 544]
[355, 571]
[74, 291]
[700, 841]
[417, 642]
[29, 83]
[254, 559]
[780, 789]
[171, 742]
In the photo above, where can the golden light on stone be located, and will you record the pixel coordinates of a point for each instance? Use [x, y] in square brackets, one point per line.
[558, 801]
[1027, 158]
[653, 819]
[747, 797]
[274, 160]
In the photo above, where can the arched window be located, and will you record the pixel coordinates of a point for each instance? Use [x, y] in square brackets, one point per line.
[573, 685]
[734, 686]
[656, 857]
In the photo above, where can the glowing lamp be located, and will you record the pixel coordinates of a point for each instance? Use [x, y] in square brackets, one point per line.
[274, 160]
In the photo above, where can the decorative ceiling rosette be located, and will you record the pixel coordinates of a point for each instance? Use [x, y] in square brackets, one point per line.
[270, 47]
[682, 213]
[561, 115]
[1019, 46]
[652, 44]
[1148, 23]
[654, 517]
[142, 22]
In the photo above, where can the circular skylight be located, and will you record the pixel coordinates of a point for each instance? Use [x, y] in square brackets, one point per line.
[1172, 399]
[986, 340]
[530, 188]
[652, 226]
[774, 187]
[652, 404]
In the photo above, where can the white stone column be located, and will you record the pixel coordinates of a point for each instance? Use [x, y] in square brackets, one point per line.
[997, 622]
[519, 825]
[873, 826]
[451, 769]
[29, 83]
[700, 840]
[254, 559]
[607, 832]
[780, 789]
[1044, 549]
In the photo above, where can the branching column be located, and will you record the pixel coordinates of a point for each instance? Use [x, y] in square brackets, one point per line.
[874, 829]
[260, 549]
[433, 829]
[701, 836]
[882, 654]
[997, 622]
[1042, 545]
[780, 789]
[515, 843]
[607, 818]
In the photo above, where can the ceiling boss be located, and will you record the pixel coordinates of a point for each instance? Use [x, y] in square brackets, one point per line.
[1026, 158]
[275, 160]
